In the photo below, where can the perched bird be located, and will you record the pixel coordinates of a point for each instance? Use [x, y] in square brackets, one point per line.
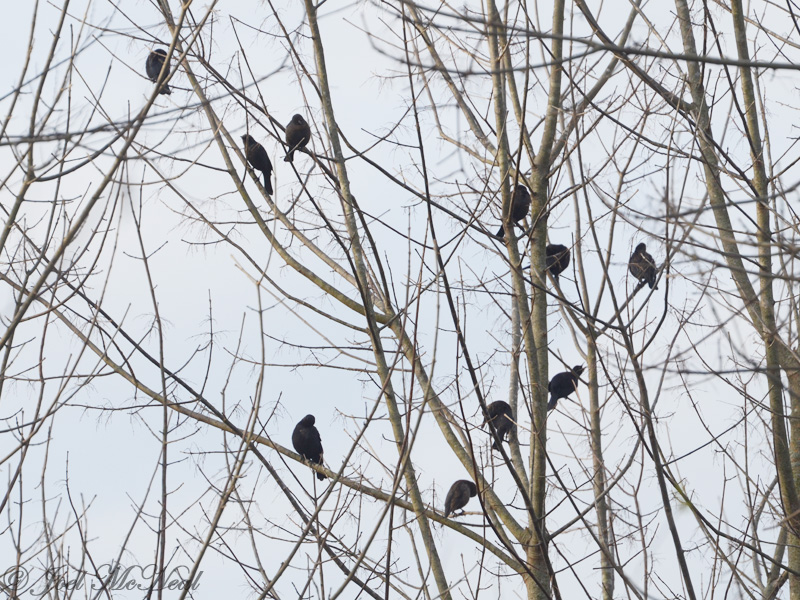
[557, 258]
[155, 61]
[563, 384]
[642, 266]
[502, 419]
[307, 443]
[298, 134]
[458, 496]
[258, 159]
[520, 204]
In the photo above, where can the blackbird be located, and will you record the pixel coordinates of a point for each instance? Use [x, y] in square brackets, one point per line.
[563, 384]
[155, 61]
[642, 266]
[502, 419]
[520, 204]
[557, 258]
[298, 134]
[307, 443]
[257, 157]
[458, 496]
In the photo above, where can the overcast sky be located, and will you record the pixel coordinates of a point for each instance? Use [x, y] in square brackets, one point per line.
[104, 445]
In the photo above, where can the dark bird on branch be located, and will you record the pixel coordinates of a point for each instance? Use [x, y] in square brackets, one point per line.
[500, 416]
[642, 266]
[557, 258]
[458, 496]
[307, 443]
[298, 134]
[520, 204]
[155, 62]
[563, 384]
[258, 159]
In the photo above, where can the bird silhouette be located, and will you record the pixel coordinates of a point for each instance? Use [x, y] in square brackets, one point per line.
[520, 204]
[298, 134]
[557, 259]
[642, 266]
[458, 496]
[499, 413]
[307, 442]
[258, 159]
[563, 384]
[155, 61]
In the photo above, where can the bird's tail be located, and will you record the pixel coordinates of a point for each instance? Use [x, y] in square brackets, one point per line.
[166, 90]
[267, 184]
[496, 445]
[552, 404]
[289, 156]
[501, 233]
[320, 476]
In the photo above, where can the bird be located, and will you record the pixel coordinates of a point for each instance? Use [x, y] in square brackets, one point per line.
[563, 384]
[298, 134]
[307, 443]
[557, 258]
[458, 496]
[520, 204]
[499, 413]
[258, 159]
[155, 61]
[642, 266]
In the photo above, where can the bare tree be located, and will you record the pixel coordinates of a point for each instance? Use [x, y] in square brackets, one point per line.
[168, 321]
